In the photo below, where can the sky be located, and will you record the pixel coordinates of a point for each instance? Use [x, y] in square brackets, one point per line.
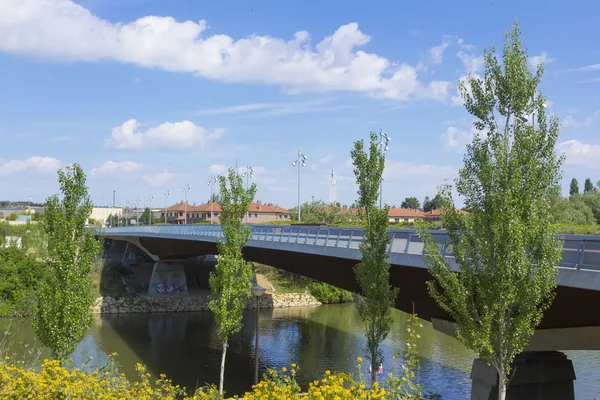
[148, 95]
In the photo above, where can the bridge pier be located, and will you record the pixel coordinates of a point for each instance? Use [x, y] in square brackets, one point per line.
[538, 375]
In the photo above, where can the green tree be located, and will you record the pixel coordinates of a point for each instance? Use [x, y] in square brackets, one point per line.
[112, 220]
[145, 217]
[433, 204]
[411, 202]
[574, 189]
[588, 186]
[231, 281]
[214, 198]
[372, 273]
[13, 217]
[507, 249]
[63, 314]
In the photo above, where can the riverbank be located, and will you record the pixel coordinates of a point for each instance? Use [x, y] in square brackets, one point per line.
[194, 302]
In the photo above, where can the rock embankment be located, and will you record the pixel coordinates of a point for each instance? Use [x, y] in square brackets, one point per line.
[189, 303]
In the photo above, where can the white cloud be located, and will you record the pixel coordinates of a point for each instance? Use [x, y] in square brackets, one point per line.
[35, 164]
[581, 154]
[275, 109]
[543, 58]
[116, 167]
[64, 31]
[586, 68]
[471, 62]
[436, 53]
[455, 139]
[159, 178]
[572, 121]
[593, 80]
[181, 136]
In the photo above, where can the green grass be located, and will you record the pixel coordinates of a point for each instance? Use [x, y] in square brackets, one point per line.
[283, 281]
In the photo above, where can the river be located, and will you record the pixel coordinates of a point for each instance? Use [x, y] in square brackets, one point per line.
[185, 347]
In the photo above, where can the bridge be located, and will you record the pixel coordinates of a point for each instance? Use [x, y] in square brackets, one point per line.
[328, 254]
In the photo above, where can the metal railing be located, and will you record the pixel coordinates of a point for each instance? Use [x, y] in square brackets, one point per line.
[579, 251]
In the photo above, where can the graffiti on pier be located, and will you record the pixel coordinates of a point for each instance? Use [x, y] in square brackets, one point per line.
[169, 288]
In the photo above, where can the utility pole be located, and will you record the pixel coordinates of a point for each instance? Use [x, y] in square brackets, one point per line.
[166, 195]
[248, 175]
[384, 141]
[300, 161]
[150, 208]
[211, 182]
[114, 197]
[185, 190]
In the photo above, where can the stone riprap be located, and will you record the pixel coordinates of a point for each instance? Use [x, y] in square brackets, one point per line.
[159, 304]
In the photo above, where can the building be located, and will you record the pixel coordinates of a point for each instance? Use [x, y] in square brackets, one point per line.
[101, 214]
[402, 215]
[258, 213]
[436, 215]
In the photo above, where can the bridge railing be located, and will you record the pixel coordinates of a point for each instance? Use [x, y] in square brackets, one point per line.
[579, 251]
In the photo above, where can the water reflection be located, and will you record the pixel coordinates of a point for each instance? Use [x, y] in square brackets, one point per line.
[185, 347]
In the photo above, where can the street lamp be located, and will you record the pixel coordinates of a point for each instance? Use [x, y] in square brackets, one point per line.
[137, 202]
[384, 141]
[166, 195]
[150, 208]
[300, 161]
[248, 175]
[211, 182]
[128, 205]
[257, 292]
[185, 190]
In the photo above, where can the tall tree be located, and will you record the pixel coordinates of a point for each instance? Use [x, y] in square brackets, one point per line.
[588, 186]
[507, 249]
[145, 217]
[231, 281]
[411, 202]
[574, 189]
[433, 204]
[214, 198]
[372, 273]
[63, 314]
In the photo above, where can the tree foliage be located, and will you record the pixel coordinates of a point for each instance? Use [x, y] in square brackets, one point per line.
[319, 212]
[144, 219]
[574, 188]
[433, 204]
[507, 249]
[411, 202]
[231, 281]
[63, 314]
[372, 273]
[588, 186]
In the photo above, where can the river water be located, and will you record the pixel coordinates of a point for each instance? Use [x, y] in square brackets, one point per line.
[185, 347]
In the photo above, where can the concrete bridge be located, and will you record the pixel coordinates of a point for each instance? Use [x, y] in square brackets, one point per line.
[328, 254]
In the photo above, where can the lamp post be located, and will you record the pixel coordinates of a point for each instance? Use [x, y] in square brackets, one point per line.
[150, 209]
[257, 292]
[128, 205]
[137, 202]
[248, 175]
[300, 162]
[166, 195]
[384, 141]
[185, 190]
[211, 182]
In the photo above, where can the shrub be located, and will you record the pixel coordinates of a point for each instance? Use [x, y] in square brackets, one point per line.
[20, 275]
[328, 294]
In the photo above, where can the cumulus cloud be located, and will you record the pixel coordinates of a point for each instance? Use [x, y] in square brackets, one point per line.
[159, 178]
[181, 136]
[436, 53]
[33, 164]
[65, 31]
[581, 154]
[543, 58]
[572, 121]
[116, 167]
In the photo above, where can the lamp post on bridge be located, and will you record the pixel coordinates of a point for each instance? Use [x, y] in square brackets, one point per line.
[300, 162]
[248, 175]
[150, 209]
[186, 188]
[137, 202]
[257, 292]
[211, 182]
[166, 195]
[384, 141]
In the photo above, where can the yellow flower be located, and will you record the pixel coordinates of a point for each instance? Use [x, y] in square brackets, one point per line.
[359, 359]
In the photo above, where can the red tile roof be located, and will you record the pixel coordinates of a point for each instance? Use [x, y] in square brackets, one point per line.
[405, 213]
[256, 207]
[437, 213]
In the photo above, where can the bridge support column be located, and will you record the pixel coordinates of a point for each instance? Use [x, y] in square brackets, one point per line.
[546, 375]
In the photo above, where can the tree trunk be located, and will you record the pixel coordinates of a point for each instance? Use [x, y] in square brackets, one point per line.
[501, 386]
[222, 376]
[373, 373]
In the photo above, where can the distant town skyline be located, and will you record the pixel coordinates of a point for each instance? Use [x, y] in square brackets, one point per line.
[149, 95]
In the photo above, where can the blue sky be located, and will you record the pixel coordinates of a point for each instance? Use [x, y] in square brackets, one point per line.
[147, 94]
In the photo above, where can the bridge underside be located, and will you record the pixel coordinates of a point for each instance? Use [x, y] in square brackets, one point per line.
[568, 310]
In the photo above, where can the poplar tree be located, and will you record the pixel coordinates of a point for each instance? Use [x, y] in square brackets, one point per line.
[372, 273]
[231, 281]
[507, 249]
[63, 314]
[574, 188]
